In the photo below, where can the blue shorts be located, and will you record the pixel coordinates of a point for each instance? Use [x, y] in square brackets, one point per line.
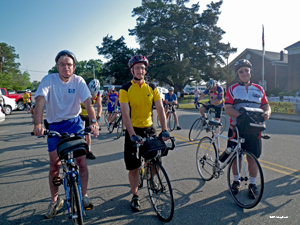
[69, 126]
[111, 107]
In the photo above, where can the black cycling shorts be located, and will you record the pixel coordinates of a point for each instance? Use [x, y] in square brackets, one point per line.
[218, 110]
[86, 120]
[252, 143]
[130, 159]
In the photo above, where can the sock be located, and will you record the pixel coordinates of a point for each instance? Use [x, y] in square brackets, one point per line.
[252, 180]
[236, 177]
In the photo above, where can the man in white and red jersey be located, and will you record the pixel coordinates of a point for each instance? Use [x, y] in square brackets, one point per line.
[246, 94]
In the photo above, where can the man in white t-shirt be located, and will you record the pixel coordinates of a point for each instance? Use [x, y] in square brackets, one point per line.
[62, 93]
[196, 96]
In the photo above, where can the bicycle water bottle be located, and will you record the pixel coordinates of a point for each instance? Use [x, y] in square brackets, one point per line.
[225, 154]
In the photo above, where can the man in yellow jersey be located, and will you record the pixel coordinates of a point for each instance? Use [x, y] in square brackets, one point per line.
[94, 87]
[136, 99]
[26, 101]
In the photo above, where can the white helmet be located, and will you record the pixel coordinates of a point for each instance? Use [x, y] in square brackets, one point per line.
[94, 86]
[111, 88]
[210, 84]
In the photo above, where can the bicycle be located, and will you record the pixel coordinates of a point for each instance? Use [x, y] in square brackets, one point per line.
[158, 183]
[70, 147]
[211, 165]
[169, 115]
[117, 123]
[201, 123]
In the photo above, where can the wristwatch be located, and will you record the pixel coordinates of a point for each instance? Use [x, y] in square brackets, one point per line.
[93, 121]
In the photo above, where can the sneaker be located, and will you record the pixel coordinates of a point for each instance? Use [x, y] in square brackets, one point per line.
[87, 203]
[90, 155]
[124, 132]
[135, 204]
[204, 123]
[108, 125]
[54, 207]
[253, 191]
[178, 128]
[235, 187]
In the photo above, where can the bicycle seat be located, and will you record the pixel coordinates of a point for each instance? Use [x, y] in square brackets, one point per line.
[214, 123]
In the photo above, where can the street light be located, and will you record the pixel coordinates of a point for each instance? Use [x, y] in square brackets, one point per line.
[227, 56]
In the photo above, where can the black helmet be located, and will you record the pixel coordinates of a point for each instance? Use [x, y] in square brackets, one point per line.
[138, 59]
[241, 63]
[66, 53]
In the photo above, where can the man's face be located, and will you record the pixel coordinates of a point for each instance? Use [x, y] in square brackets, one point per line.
[139, 70]
[171, 92]
[65, 67]
[244, 73]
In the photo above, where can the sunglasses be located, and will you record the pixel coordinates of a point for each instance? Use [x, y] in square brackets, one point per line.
[242, 71]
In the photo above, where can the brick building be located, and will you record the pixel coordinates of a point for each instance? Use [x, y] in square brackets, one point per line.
[281, 69]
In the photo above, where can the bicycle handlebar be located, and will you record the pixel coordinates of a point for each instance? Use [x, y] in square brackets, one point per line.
[48, 133]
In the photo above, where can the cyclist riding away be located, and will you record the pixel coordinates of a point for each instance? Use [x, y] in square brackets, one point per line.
[94, 87]
[26, 101]
[246, 94]
[171, 100]
[216, 99]
[112, 99]
[62, 93]
[136, 99]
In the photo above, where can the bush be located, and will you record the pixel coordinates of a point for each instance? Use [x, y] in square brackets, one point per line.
[275, 91]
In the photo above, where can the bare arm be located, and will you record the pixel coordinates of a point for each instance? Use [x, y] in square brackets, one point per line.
[90, 110]
[161, 114]
[99, 106]
[200, 97]
[126, 118]
[267, 111]
[38, 115]
[230, 111]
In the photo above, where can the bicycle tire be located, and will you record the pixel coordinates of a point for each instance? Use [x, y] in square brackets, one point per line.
[75, 203]
[158, 122]
[242, 198]
[160, 192]
[196, 129]
[141, 176]
[105, 116]
[120, 127]
[172, 123]
[206, 157]
[224, 124]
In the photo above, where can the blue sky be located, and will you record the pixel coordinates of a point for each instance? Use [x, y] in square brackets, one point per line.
[39, 29]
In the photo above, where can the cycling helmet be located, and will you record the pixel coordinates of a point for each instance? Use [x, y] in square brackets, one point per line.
[241, 63]
[138, 59]
[171, 89]
[111, 88]
[66, 53]
[94, 86]
[210, 84]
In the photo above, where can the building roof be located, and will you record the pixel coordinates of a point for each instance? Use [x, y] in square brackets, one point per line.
[295, 45]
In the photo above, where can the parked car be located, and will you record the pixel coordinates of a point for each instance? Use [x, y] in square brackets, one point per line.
[162, 92]
[2, 115]
[17, 96]
[9, 104]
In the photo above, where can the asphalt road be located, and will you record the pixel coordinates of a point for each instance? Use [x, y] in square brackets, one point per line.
[25, 193]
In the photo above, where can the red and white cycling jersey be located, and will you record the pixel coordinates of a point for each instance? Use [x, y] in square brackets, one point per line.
[238, 97]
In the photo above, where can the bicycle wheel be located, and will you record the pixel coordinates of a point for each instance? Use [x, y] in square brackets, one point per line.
[120, 127]
[172, 123]
[160, 192]
[224, 123]
[105, 116]
[206, 158]
[158, 122]
[141, 176]
[243, 196]
[75, 203]
[196, 129]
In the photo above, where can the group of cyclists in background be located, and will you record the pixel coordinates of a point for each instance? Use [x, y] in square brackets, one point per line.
[134, 100]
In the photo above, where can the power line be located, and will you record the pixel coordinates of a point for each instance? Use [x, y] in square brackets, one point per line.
[34, 70]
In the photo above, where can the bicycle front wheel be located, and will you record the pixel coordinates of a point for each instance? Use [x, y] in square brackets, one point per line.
[172, 122]
[245, 194]
[196, 129]
[120, 127]
[206, 157]
[105, 116]
[224, 124]
[75, 203]
[160, 192]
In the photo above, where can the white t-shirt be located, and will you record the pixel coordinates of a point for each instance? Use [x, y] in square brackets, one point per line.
[62, 98]
[196, 93]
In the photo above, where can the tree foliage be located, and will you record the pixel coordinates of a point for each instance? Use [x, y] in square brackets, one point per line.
[118, 55]
[181, 44]
[11, 77]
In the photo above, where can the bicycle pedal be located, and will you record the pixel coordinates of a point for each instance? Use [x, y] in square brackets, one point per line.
[265, 136]
[57, 181]
[89, 207]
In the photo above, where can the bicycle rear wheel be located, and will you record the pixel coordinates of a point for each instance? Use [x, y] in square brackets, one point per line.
[75, 203]
[158, 122]
[224, 124]
[244, 196]
[206, 157]
[172, 122]
[105, 116]
[160, 192]
[120, 127]
[196, 129]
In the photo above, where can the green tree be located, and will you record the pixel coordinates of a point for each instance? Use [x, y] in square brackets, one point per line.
[181, 44]
[118, 55]
[11, 77]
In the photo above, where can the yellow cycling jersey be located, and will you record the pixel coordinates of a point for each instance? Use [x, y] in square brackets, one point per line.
[140, 100]
[83, 109]
[26, 98]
